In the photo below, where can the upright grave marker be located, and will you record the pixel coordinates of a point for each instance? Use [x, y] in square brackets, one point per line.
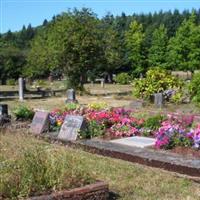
[4, 117]
[71, 96]
[158, 100]
[40, 122]
[21, 89]
[69, 130]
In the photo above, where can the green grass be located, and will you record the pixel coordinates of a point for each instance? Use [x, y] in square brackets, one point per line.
[127, 180]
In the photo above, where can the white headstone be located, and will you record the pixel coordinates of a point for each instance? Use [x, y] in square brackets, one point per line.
[21, 89]
[102, 83]
[136, 141]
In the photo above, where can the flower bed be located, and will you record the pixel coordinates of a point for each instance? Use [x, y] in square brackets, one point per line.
[170, 131]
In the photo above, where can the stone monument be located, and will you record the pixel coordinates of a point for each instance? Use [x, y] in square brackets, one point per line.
[4, 117]
[40, 122]
[21, 89]
[70, 127]
[71, 96]
[158, 100]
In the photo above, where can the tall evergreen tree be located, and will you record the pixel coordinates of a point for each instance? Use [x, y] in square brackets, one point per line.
[134, 42]
[157, 52]
[184, 48]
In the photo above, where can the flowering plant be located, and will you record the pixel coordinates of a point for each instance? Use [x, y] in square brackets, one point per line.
[194, 134]
[174, 132]
[122, 130]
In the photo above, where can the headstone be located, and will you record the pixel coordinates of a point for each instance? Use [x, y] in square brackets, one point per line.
[71, 96]
[40, 122]
[102, 83]
[70, 127]
[4, 117]
[136, 141]
[21, 89]
[136, 104]
[3, 109]
[158, 100]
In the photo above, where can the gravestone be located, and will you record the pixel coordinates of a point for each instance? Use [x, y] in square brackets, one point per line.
[21, 89]
[4, 117]
[40, 122]
[71, 96]
[136, 104]
[158, 100]
[3, 109]
[102, 83]
[136, 141]
[70, 127]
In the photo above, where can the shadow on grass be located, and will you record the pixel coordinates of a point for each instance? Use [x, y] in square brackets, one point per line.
[113, 195]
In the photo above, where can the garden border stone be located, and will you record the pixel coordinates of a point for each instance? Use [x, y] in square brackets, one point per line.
[95, 191]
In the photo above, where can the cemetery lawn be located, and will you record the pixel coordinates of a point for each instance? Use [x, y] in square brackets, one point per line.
[126, 180]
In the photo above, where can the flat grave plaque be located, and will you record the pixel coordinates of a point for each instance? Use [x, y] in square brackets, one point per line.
[136, 141]
[40, 122]
[69, 130]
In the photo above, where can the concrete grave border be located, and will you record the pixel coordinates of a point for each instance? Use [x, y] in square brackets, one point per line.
[160, 159]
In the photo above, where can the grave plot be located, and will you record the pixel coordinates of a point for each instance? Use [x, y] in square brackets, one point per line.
[136, 141]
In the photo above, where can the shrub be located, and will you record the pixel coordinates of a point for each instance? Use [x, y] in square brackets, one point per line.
[177, 97]
[98, 105]
[94, 129]
[11, 82]
[194, 88]
[154, 122]
[123, 78]
[23, 113]
[71, 106]
[157, 80]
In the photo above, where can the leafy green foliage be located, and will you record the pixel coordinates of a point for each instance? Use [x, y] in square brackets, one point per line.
[157, 80]
[194, 88]
[134, 38]
[98, 105]
[178, 140]
[154, 122]
[23, 113]
[123, 78]
[157, 52]
[94, 129]
[177, 97]
[71, 106]
[11, 82]
[184, 47]
[81, 45]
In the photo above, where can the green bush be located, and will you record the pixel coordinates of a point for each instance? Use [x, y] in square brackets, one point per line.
[71, 106]
[97, 105]
[154, 122]
[123, 78]
[177, 97]
[157, 80]
[11, 82]
[94, 129]
[194, 88]
[23, 113]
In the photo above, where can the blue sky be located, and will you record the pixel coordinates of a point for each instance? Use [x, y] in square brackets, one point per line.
[16, 13]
